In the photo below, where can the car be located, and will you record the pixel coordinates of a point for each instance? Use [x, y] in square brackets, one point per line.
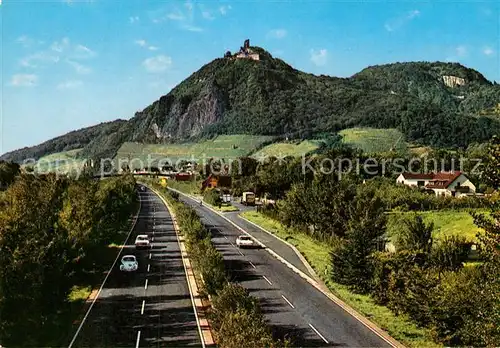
[142, 241]
[129, 264]
[244, 241]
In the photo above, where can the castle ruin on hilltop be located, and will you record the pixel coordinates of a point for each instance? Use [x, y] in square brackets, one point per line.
[244, 53]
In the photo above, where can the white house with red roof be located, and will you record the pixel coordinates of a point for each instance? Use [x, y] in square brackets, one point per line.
[454, 183]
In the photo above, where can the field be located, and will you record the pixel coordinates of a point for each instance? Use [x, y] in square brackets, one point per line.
[282, 149]
[61, 162]
[372, 140]
[446, 223]
[223, 146]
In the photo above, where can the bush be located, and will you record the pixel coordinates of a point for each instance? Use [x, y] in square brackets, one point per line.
[450, 253]
[467, 309]
[238, 321]
[212, 197]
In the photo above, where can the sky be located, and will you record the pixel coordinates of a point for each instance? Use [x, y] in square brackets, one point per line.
[68, 64]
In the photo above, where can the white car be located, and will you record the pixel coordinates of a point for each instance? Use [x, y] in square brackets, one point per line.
[244, 241]
[129, 264]
[142, 241]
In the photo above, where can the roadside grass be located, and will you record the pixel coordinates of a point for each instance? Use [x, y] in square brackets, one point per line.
[446, 223]
[190, 187]
[373, 140]
[225, 208]
[318, 256]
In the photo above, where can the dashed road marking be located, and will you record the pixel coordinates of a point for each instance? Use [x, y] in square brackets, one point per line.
[148, 267]
[146, 285]
[138, 339]
[320, 335]
[241, 253]
[284, 298]
[267, 280]
[150, 256]
[250, 262]
[142, 308]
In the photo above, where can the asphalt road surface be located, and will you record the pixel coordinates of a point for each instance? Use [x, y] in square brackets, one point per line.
[152, 306]
[292, 306]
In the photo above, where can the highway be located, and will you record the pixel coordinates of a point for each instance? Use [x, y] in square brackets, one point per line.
[291, 305]
[150, 307]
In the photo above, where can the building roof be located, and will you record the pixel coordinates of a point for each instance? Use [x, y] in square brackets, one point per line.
[443, 179]
[436, 180]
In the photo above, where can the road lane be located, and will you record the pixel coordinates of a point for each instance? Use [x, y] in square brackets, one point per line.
[314, 320]
[150, 307]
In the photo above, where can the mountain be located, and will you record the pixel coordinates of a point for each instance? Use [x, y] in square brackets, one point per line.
[437, 104]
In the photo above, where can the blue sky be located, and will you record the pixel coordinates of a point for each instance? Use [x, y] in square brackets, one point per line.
[67, 64]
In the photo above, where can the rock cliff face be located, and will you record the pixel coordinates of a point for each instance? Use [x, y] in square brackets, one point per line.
[269, 97]
[454, 81]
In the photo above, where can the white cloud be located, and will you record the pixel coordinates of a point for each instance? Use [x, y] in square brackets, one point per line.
[277, 33]
[39, 58]
[79, 68]
[133, 19]
[224, 9]
[25, 40]
[70, 84]
[461, 51]
[83, 52]
[60, 46]
[488, 51]
[157, 64]
[397, 23]
[24, 80]
[207, 15]
[194, 28]
[144, 44]
[176, 16]
[319, 57]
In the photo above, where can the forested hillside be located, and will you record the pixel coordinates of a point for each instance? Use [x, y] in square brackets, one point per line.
[436, 104]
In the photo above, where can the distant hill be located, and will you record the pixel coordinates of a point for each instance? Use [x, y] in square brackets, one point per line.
[436, 104]
[70, 141]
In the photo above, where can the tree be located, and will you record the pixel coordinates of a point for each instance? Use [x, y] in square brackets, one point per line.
[352, 257]
[491, 173]
[416, 235]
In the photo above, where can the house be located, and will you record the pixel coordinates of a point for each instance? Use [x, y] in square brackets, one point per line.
[214, 181]
[454, 183]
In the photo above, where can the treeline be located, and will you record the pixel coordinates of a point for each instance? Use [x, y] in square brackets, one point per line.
[236, 317]
[8, 173]
[424, 279]
[52, 233]
[276, 176]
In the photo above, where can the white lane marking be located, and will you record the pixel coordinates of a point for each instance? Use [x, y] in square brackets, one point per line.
[291, 305]
[150, 256]
[138, 339]
[225, 237]
[252, 264]
[241, 253]
[267, 280]
[148, 267]
[146, 285]
[232, 244]
[107, 275]
[320, 335]
[142, 309]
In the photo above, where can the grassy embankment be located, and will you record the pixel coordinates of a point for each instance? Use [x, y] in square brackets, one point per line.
[318, 256]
